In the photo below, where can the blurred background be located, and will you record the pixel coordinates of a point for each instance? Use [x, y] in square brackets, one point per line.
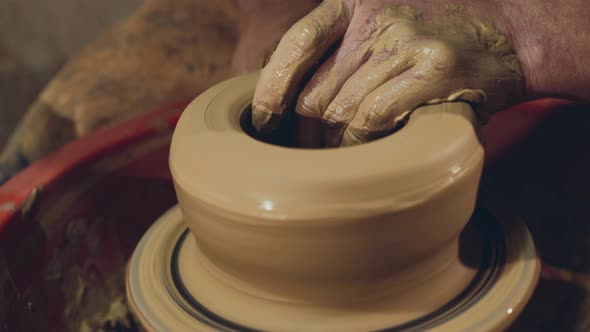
[37, 37]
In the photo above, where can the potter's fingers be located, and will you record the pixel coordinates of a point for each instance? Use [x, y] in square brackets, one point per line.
[383, 109]
[369, 77]
[298, 50]
[325, 84]
[329, 78]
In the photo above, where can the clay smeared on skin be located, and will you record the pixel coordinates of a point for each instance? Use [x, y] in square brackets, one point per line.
[382, 72]
[303, 44]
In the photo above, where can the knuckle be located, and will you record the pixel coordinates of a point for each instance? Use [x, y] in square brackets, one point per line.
[440, 48]
[405, 28]
[376, 114]
[307, 106]
[377, 117]
[337, 116]
[304, 34]
[444, 57]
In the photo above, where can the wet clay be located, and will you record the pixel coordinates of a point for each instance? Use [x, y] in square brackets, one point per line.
[323, 226]
[168, 256]
[289, 239]
[386, 67]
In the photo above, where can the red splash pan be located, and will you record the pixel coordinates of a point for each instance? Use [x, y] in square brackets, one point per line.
[69, 222]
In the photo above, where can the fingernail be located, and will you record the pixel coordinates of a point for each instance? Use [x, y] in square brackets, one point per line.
[260, 119]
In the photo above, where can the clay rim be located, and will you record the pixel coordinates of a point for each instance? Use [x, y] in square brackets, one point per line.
[494, 253]
[284, 137]
[211, 124]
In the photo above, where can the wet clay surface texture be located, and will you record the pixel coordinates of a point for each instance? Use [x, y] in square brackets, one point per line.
[313, 202]
[345, 225]
[172, 285]
[118, 204]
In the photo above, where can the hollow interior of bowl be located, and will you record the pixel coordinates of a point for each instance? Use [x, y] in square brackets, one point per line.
[286, 134]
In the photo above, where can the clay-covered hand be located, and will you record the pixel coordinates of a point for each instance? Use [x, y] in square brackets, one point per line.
[365, 65]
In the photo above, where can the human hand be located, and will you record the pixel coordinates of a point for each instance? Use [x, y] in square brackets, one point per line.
[386, 62]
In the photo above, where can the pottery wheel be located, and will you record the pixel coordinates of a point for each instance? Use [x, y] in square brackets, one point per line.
[171, 290]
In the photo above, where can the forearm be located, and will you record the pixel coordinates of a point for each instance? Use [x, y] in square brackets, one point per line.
[552, 39]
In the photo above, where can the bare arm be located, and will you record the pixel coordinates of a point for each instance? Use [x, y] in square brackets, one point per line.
[552, 39]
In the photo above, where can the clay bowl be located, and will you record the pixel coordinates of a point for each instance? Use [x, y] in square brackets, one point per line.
[328, 227]
[69, 222]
